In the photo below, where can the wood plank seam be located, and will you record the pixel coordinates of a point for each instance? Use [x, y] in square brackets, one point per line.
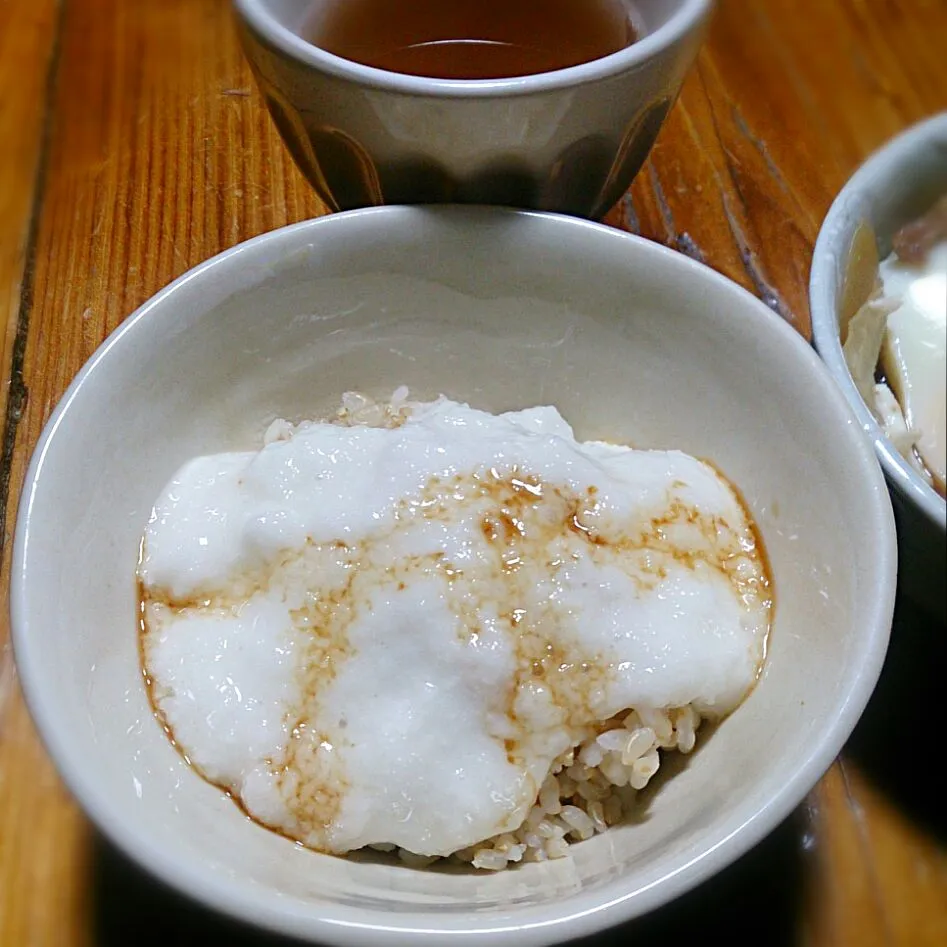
[761, 284]
[679, 240]
[18, 393]
[629, 215]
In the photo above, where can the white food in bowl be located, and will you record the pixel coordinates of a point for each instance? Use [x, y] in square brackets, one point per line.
[902, 330]
[504, 310]
[915, 352]
[449, 633]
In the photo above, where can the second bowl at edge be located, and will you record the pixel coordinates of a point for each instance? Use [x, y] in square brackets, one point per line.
[503, 309]
[570, 140]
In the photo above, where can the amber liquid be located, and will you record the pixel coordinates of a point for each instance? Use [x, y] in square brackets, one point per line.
[470, 39]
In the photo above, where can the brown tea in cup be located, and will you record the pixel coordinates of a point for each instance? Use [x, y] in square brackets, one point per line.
[471, 39]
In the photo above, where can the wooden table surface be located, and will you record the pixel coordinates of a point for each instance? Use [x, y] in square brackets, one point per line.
[133, 146]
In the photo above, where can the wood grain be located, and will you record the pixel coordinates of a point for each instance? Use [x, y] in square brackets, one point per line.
[158, 153]
[27, 52]
[787, 99]
[27, 42]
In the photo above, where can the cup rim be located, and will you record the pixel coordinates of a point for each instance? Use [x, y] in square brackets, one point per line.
[687, 18]
[888, 161]
[594, 910]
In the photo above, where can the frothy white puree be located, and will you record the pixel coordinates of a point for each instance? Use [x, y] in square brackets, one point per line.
[377, 635]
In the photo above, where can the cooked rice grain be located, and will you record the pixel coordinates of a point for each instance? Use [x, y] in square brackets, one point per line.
[579, 800]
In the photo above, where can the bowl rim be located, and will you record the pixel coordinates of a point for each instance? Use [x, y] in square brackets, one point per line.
[579, 915]
[689, 16]
[893, 159]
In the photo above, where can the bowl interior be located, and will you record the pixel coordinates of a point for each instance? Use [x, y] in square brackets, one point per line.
[502, 309]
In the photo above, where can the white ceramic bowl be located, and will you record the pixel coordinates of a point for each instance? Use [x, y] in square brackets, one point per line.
[896, 185]
[505, 309]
